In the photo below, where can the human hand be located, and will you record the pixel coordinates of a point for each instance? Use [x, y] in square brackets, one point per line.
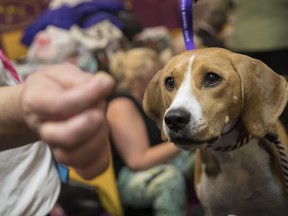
[66, 107]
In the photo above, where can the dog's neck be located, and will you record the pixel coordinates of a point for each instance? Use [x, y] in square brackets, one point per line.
[230, 126]
[242, 176]
[233, 136]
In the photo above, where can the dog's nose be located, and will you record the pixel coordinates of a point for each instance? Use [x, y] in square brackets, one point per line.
[177, 119]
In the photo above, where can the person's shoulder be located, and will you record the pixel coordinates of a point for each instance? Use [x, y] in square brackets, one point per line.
[120, 94]
[122, 103]
[122, 98]
[122, 110]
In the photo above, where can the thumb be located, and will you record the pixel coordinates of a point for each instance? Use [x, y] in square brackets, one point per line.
[104, 83]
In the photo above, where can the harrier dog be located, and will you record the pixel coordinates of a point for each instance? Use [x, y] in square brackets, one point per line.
[227, 107]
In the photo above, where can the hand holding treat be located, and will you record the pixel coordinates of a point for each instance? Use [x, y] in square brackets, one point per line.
[66, 107]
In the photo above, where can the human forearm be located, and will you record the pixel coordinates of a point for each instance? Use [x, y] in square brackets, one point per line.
[130, 138]
[156, 155]
[14, 131]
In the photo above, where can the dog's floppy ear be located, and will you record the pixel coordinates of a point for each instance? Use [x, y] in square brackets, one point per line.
[264, 94]
[153, 102]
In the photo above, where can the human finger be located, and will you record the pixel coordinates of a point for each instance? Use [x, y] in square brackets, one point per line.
[49, 100]
[81, 97]
[69, 133]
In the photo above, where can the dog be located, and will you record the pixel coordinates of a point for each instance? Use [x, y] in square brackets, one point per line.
[223, 104]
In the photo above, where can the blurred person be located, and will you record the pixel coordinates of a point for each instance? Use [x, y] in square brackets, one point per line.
[61, 106]
[259, 30]
[209, 31]
[150, 172]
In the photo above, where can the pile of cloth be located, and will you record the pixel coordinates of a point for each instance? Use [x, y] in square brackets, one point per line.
[76, 31]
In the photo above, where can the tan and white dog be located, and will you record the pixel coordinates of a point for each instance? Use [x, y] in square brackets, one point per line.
[223, 104]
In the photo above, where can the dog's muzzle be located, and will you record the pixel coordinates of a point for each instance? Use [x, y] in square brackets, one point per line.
[177, 119]
[179, 130]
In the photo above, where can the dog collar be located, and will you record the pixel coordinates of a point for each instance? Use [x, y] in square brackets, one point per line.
[243, 138]
[238, 144]
[272, 137]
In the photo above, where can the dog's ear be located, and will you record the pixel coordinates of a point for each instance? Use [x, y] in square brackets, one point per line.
[153, 102]
[264, 94]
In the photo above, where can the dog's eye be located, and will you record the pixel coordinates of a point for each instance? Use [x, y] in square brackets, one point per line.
[169, 83]
[211, 79]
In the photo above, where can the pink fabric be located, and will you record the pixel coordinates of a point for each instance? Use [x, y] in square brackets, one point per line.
[9, 67]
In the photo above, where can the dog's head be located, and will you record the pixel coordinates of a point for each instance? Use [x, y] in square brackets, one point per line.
[199, 93]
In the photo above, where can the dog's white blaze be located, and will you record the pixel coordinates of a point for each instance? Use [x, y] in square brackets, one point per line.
[184, 97]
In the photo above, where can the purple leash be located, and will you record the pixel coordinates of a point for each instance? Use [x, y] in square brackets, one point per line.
[284, 163]
[186, 16]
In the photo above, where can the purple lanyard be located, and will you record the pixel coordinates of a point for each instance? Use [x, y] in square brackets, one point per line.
[186, 22]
